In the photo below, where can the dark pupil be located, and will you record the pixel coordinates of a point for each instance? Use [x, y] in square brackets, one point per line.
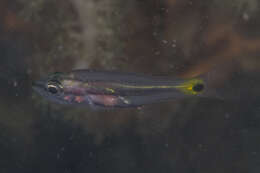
[198, 87]
[52, 90]
[54, 81]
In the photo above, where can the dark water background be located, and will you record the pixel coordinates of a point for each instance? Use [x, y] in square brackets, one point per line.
[166, 37]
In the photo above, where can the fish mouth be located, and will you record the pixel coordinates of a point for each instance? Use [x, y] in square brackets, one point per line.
[38, 85]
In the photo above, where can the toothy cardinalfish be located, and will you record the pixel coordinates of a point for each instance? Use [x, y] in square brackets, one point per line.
[113, 89]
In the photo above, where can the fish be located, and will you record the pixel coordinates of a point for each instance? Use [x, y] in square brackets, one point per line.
[112, 89]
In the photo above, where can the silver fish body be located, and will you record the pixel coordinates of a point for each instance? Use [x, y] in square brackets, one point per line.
[115, 89]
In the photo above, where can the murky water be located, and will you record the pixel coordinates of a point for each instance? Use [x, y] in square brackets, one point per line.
[164, 37]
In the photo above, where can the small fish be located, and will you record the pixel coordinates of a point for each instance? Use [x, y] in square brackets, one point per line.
[113, 89]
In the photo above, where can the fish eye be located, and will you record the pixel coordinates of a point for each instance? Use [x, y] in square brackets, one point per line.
[53, 89]
[198, 87]
[55, 81]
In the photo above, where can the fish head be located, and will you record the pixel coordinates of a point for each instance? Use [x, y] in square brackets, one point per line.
[51, 87]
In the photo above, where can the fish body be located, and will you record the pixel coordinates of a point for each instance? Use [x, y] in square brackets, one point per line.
[115, 89]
